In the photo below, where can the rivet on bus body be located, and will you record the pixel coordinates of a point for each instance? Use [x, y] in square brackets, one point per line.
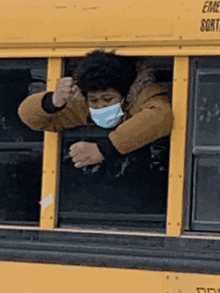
[180, 47]
[180, 176]
[177, 278]
[167, 277]
[51, 218]
[169, 224]
[53, 171]
[175, 79]
[178, 224]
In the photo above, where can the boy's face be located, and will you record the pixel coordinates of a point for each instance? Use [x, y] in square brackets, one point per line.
[102, 99]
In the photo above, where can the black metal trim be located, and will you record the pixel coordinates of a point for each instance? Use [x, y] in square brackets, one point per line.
[113, 216]
[20, 146]
[158, 253]
[207, 150]
[189, 145]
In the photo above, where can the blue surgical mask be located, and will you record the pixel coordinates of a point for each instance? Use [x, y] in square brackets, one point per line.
[107, 117]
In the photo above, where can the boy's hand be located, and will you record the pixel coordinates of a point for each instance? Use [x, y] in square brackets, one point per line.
[85, 153]
[65, 91]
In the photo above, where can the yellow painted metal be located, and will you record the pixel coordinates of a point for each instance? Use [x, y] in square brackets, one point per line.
[178, 146]
[141, 50]
[192, 282]
[83, 20]
[50, 23]
[44, 278]
[60, 46]
[159, 50]
[48, 217]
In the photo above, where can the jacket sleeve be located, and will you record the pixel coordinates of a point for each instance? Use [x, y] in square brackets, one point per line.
[34, 116]
[152, 120]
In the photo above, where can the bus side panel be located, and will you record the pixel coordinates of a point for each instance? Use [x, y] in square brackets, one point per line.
[28, 277]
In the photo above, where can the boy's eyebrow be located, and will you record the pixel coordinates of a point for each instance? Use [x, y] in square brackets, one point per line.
[107, 94]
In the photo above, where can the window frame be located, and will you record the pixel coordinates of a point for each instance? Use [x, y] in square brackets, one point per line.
[162, 251]
[50, 139]
[192, 156]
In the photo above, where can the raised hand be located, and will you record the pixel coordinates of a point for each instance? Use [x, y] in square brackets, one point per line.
[64, 92]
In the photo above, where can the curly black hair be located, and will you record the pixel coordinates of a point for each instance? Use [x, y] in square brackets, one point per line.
[101, 70]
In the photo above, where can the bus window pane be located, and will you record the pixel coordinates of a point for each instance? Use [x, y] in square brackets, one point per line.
[18, 79]
[20, 147]
[129, 191]
[207, 118]
[116, 187]
[207, 190]
[20, 173]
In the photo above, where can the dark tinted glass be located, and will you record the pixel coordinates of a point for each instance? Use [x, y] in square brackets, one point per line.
[203, 152]
[20, 147]
[207, 119]
[20, 185]
[18, 79]
[207, 189]
[119, 189]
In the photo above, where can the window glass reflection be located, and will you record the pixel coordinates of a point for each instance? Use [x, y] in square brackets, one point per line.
[20, 147]
[208, 109]
[18, 79]
[20, 185]
[206, 189]
[119, 186]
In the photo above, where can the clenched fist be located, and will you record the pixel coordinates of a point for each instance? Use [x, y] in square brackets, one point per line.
[64, 92]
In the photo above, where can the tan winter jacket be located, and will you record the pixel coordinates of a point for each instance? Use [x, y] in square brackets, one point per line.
[147, 117]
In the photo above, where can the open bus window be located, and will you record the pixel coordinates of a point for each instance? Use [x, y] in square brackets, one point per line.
[20, 147]
[128, 192]
[203, 146]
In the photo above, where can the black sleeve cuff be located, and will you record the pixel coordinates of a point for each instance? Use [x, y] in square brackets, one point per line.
[48, 106]
[107, 149]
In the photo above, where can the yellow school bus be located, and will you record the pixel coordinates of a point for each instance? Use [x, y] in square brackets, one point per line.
[53, 237]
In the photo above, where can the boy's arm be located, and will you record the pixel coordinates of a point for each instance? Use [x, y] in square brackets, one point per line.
[38, 113]
[154, 120]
